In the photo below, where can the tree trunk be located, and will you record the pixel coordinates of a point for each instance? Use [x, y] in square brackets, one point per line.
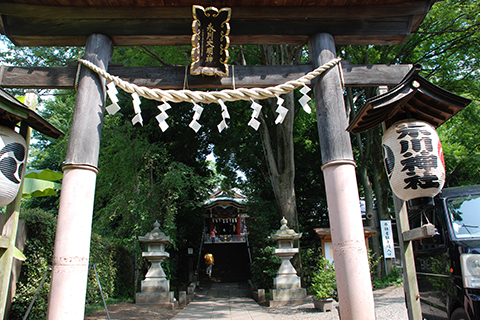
[381, 187]
[277, 141]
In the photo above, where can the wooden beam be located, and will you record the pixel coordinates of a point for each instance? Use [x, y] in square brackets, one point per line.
[162, 30]
[176, 40]
[238, 13]
[410, 284]
[4, 241]
[173, 77]
[426, 231]
[33, 25]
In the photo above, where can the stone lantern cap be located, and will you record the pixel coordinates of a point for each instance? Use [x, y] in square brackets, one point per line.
[156, 235]
[285, 233]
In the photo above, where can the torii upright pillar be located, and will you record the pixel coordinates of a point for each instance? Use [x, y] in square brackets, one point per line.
[349, 250]
[72, 239]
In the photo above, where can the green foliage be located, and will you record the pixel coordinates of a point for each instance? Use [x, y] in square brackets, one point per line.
[378, 282]
[324, 283]
[48, 153]
[264, 267]
[309, 183]
[393, 278]
[152, 56]
[372, 262]
[310, 257]
[38, 56]
[39, 253]
[158, 180]
[461, 147]
[115, 269]
[114, 264]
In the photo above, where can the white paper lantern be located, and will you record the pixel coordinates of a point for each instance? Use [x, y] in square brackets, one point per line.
[413, 159]
[12, 163]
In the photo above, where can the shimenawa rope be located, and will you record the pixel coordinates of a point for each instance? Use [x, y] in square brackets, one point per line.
[212, 96]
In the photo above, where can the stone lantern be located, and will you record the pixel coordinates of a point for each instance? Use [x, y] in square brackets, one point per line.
[155, 288]
[287, 284]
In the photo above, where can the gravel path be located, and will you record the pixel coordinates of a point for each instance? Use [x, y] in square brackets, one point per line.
[389, 305]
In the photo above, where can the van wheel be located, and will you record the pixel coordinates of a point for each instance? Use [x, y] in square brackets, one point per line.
[459, 314]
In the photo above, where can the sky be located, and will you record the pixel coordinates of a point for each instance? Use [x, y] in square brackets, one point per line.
[3, 43]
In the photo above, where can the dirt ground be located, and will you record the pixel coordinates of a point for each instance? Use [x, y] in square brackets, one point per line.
[129, 310]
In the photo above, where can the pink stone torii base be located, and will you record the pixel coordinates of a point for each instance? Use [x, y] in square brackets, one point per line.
[72, 245]
[349, 250]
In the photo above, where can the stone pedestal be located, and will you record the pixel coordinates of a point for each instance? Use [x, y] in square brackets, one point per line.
[155, 289]
[159, 299]
[287, 284]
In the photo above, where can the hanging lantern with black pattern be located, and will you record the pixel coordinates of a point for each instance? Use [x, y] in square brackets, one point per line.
[12, 163]
[414, 159]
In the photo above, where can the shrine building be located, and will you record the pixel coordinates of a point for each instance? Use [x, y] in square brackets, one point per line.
[225, 214]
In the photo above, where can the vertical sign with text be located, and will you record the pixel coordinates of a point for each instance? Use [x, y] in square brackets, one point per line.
[387, 239]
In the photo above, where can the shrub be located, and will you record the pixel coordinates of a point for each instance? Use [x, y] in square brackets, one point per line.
[38, 250]
[324, 284]
[115, 270]
[310, 257]
[114, 264]
[264, 267]
[393, 278]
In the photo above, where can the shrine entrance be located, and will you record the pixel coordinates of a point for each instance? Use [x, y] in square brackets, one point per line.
[100, 25]
[227, 220]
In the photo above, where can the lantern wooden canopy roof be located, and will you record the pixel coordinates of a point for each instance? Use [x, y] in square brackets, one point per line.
[415, 97]
[13, 111]
[168, 22]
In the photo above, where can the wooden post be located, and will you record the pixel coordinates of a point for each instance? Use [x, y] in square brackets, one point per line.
[72, 239]
[350, 253]
[410, 284]
[11, 228]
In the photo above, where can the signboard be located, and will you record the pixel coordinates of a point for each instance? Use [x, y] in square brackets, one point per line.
[387, 239]
[210, 41]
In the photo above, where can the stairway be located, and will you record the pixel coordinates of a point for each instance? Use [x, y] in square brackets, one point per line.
[231, 262]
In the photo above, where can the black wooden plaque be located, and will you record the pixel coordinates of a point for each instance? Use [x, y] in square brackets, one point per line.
[210, 41]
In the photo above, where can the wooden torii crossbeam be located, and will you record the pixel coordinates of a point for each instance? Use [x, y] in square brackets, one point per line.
[99, 25]
[174, 77]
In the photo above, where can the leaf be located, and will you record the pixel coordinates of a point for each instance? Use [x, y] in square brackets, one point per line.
[45, 174]
[17, 254]
[21, 99]
[39, 188]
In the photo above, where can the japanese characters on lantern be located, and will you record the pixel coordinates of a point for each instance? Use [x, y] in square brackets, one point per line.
[413, 159]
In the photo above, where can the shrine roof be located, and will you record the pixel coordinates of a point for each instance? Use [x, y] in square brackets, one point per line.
[13, 111]
[142, 22]
[415, 97]
[220, 198]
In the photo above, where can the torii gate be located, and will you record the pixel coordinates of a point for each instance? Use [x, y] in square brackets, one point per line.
[101, 24]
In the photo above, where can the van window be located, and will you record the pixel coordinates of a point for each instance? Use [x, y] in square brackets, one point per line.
[463, 214]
